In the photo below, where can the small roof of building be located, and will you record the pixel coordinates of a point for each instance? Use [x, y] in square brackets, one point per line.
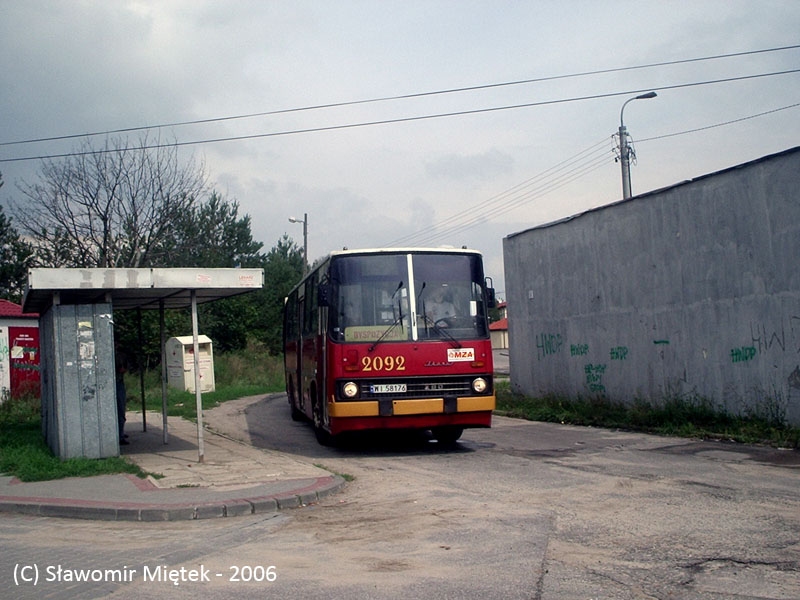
[499, 325]
[136, 288]
[13, 310]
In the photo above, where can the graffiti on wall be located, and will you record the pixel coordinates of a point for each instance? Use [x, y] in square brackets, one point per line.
[578, 349]
[743, 354]
[594, 377]
[765, 338]
[548, 344]
[619, 353]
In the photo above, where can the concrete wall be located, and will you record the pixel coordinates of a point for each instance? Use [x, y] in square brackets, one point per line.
[692, 290]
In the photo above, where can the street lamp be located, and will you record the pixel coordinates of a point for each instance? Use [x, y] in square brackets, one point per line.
[625, 150]
[305, 239]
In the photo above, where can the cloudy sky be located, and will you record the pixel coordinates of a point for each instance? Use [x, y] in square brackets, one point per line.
[381, 167]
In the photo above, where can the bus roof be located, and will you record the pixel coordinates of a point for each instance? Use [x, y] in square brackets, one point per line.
[402, 250]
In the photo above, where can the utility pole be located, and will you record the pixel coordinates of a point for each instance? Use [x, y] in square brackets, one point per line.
[305, 239]
[625, 151]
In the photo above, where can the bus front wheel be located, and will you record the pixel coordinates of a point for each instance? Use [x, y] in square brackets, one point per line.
[297, 415]
[447, 435]
[323, 436]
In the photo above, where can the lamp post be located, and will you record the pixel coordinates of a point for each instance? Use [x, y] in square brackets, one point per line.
[305, 239]
[624, 149]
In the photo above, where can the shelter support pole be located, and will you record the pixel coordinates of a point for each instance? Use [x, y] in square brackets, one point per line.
[140, 358]
[163, 331]
[198, 396]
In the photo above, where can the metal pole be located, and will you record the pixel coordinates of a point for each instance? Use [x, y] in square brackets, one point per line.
[305, 243]
[164, 375]
[197, 394]
[624, 148]
[305, 240]
[625, 162]
[140, 357]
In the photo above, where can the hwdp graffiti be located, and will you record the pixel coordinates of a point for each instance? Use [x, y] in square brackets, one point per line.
[743, 354]
[547, 344]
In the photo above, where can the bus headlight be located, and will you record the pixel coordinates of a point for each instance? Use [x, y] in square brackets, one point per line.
[479, 385]
[350, 389]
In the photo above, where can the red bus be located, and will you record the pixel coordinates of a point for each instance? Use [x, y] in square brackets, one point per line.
[391, 339]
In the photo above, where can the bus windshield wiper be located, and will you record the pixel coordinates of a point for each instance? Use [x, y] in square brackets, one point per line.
[397, 321]
[430, 322]
[442, 331]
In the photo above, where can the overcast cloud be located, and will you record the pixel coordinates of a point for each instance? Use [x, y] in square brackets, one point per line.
[69, 67]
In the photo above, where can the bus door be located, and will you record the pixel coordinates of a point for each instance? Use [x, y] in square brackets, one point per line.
[311, 369]
[291, 350]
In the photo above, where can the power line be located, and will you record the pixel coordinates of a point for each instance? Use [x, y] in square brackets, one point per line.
[582, 164]
[768, 112]
[404, 96]
[407, 119]
[489, 206]
[545, 188]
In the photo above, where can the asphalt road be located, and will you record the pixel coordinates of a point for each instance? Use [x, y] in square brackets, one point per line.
[522, 510]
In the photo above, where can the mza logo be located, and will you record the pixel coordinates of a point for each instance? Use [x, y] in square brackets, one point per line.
[460, 354]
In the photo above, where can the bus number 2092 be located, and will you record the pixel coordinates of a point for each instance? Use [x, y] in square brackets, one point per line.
[383, 363]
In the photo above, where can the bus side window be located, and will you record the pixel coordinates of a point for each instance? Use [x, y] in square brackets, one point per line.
[311, 315]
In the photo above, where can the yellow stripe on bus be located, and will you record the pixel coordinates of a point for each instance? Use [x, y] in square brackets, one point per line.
[424, 406]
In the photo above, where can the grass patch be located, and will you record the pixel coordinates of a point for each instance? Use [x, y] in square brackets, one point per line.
[25, 455]
[678, 416]
[344, 476]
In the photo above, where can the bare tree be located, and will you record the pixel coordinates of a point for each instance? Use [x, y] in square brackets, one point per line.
[109, 206]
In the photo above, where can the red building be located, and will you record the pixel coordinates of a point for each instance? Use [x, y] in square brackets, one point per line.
[19, 351]
[499, 329]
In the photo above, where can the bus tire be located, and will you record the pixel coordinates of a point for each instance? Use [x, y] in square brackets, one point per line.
[297, 415]
[447, 435]
[324, 438]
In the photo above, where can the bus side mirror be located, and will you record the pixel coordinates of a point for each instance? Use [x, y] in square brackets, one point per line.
[491, 300]
[324, 294]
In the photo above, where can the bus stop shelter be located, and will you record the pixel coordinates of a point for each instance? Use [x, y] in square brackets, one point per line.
[76, 309]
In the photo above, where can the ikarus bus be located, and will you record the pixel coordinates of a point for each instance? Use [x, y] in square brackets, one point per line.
[391, 339]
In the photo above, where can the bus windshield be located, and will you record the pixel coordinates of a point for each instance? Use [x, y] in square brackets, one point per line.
[406, 297]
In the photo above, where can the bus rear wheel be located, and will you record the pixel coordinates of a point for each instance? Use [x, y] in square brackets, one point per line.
[447, 435]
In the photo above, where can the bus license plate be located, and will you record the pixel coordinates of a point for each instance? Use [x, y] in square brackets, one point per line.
[388, 388]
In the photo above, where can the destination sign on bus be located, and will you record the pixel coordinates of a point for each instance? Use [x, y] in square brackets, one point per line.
[363, 333]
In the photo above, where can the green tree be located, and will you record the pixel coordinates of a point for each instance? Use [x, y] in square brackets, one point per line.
[210, 234]
[16, 257]
[283, 268]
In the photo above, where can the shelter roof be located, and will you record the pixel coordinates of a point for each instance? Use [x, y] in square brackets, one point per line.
[136, 288]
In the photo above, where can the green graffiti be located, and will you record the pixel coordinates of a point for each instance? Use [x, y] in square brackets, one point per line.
[578, 349]
[743, 354]
[594, 377]
[619, 353]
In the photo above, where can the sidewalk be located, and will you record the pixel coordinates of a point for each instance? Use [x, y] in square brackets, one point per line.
[234, 479]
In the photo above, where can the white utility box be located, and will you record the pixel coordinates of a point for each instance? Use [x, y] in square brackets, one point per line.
[180, 363]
